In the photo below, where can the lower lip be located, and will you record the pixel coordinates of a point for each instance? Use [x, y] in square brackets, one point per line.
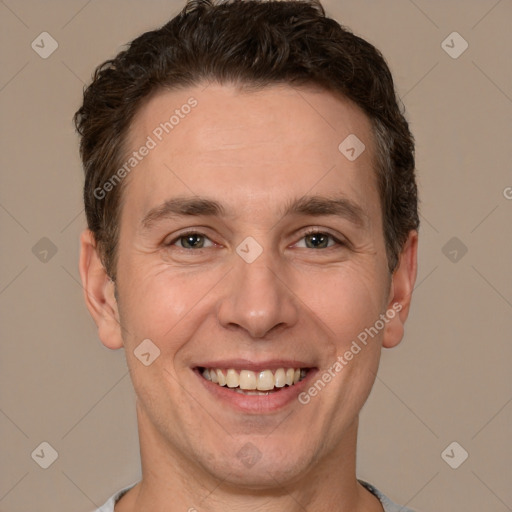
[259, 404]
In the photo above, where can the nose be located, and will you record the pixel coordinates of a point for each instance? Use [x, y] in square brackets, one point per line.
[257, 298]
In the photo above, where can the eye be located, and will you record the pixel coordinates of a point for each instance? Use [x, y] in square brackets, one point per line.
[191, 240]
[315, 239]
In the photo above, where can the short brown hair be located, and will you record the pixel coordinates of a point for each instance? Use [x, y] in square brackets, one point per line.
[249, 43]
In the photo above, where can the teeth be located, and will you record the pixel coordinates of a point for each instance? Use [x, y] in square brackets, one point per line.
[220, 377]
[280, 378]
[254, 383]
[248, 380]
[232, 379]
[265, 381]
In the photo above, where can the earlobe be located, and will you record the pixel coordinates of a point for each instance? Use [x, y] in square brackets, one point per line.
[99, 292]
[402, 285]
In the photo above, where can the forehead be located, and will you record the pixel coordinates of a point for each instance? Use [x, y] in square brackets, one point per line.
[269, 145]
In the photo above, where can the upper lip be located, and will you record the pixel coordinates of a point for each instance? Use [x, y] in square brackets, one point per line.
[245, 364]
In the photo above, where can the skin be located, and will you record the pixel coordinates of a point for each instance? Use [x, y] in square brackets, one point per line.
[253, 152]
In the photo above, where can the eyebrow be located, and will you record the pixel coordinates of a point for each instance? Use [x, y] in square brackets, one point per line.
[314, 206]
[317, 206]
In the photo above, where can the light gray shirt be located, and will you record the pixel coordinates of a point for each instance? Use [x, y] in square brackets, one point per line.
[387, 504]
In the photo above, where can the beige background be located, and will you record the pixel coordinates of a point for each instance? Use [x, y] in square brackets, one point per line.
[448, 381]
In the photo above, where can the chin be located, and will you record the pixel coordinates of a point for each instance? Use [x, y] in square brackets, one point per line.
[264, 468]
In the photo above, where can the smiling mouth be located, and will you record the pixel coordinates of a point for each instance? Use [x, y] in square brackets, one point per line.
[248, 382]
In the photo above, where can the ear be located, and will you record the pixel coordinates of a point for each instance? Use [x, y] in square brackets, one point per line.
[99, 292]
[400, 294]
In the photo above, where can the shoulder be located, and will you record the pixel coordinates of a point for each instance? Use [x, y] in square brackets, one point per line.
[388, 505]
[108, 506]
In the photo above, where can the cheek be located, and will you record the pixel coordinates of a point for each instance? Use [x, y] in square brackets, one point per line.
[162, 304]
[346, 300]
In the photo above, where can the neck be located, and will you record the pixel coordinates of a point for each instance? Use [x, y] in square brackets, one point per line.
[171, 482]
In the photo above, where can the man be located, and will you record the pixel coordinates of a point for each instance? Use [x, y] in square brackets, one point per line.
[252, 212]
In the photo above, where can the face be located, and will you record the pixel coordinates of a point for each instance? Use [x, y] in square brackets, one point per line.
[252, 247]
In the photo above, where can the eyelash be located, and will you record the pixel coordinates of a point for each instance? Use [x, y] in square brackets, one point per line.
[310, 231]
